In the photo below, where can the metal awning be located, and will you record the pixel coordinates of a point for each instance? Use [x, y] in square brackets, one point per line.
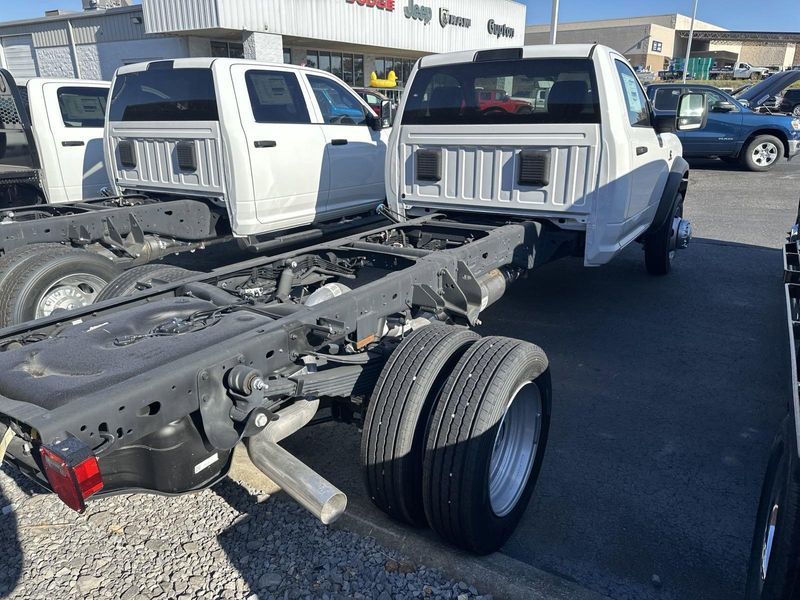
[757, 37]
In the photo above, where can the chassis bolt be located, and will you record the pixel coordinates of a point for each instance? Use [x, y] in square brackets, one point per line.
[260, 384]
[261, 420]
[204, 375]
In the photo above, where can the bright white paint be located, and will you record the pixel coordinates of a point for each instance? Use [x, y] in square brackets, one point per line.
[70, 173]
[598, 183]
[299, 180]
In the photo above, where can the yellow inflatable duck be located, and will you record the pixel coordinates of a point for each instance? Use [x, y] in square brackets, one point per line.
[389, 82]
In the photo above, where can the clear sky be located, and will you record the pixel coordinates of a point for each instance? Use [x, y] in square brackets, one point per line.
[783, 15]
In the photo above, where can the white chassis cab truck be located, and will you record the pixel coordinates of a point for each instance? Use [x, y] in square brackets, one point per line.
[51, 140]
[199, 151]
[152, 390]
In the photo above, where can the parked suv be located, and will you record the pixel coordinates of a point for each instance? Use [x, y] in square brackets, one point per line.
[789, 102]
[734, 132]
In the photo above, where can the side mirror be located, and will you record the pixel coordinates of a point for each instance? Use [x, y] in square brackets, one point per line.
[722, 106]
[664, 123]
[385, 117]
[692, 112]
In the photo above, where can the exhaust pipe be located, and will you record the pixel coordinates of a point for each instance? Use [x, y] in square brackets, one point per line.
[301, 482]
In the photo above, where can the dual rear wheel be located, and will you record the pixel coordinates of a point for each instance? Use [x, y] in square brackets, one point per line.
[455, 434]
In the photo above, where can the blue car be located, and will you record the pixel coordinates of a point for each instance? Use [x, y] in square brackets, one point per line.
[735, 132]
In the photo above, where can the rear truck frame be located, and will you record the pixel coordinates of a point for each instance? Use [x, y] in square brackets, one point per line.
[774, 566]
[151, 392]
[44, 246]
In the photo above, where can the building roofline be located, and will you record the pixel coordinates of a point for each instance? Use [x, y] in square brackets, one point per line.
[88, 14]
[627, 18]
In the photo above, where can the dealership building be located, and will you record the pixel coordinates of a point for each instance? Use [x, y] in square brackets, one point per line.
[650, 42]
[350, 38]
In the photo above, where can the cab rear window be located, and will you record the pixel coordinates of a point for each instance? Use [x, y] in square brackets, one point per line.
[504, 92]
[164, 95]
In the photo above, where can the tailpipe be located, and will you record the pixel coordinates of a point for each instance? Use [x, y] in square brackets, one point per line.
[301, 482]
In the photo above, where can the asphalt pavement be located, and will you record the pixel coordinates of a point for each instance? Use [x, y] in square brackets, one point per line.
[666, 395]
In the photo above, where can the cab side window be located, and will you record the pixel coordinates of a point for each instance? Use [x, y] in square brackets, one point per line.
[275, 97]
[82, 107]
[338, 106]
[635, 99]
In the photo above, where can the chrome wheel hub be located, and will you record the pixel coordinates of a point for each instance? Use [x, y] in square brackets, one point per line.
[769, 538]
[765, 154]
[681, 234]
[515, 447]
[72, 291]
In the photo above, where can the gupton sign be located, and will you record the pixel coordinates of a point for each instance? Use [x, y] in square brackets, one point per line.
[380, 4]
[418, 12]
[500, 30]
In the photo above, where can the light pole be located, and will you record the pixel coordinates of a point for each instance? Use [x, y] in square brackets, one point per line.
[689, 43]
[554, 22]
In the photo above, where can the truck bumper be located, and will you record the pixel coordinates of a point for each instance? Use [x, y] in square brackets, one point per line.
[794, 149]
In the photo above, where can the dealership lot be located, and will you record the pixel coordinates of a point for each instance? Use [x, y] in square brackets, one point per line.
[667, 393]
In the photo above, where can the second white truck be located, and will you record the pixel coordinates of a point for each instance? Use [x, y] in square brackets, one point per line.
[51, 140]
[200, 151]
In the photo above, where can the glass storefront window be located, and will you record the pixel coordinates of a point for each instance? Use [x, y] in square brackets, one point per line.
[227, 50]
[348, 67]
[287, 56]
[401, 67]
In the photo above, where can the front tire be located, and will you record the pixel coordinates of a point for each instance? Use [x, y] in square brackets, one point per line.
[659, 250]
[762, 153]
[486, 442]
[51, 279]
[774, 567]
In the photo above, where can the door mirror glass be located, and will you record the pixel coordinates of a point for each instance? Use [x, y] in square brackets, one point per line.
[722, 106]
[692, 112]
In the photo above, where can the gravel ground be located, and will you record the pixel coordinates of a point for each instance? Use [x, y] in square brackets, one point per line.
[221, 543]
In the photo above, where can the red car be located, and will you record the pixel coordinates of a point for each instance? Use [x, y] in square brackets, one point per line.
[372, 97]
[498, 100]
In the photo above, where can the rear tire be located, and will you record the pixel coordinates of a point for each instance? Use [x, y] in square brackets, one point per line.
[486, 442]
[393, 440]
[762, 153]
[142, 277]
[774, 568]
[48, 279]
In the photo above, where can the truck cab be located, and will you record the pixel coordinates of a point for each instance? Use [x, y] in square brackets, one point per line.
[277, 146]
[592, 160]
[51, 145]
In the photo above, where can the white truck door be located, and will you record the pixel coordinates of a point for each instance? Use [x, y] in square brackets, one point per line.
[286, 148]
[356, 152]
[648, 166]
[76, 115]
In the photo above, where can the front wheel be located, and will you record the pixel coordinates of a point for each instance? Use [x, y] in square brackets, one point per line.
[796, 111]
[762, 153]
[774, 568]
[660, 245]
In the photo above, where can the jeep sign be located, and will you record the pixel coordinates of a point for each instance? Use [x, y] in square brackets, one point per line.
[381, 4]
[500, 30]
[418, 12]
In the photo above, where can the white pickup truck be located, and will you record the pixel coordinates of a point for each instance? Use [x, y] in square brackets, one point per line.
[51, 140]
[592, 159]
[152, 391]
[743, 70]
[200, 151]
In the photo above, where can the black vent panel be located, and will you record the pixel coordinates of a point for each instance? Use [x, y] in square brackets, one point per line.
[534, 167]
[184, 153]
[127, 155]
[429, 165]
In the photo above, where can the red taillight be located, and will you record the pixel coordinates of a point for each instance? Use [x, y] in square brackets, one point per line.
[72, 474]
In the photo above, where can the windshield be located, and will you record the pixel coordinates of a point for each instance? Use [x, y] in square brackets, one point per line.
[504, 92]
[164, 95]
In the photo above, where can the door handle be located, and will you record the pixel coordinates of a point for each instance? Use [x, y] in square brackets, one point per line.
[338, 142]
[641, 150]
[73, 143]
[265, 143]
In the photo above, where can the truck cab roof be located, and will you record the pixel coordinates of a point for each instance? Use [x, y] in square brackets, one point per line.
[208, 63]
[538, 51]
